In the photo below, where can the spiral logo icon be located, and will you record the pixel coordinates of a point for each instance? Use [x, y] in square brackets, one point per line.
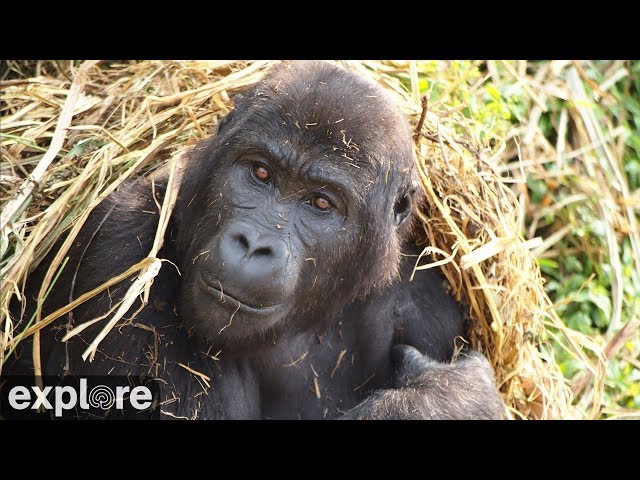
[102, 397]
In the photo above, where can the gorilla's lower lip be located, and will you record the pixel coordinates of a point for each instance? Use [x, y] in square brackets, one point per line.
[232, 302]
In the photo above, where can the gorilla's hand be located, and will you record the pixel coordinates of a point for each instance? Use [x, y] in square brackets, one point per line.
[427, 390]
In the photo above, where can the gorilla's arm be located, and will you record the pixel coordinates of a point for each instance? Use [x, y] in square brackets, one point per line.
[428, 390]
[422, 382]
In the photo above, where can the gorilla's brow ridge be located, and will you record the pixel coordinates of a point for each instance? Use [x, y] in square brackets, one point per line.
[319, 172]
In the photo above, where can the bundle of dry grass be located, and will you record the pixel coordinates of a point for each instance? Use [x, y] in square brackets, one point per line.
[70, 137]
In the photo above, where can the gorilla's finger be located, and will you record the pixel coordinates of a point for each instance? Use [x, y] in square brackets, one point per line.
[404, 353]
[408, 360]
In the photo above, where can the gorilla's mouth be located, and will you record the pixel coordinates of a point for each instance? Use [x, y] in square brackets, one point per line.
[214, 289]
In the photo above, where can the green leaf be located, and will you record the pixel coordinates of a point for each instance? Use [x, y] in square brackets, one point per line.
[493, 92]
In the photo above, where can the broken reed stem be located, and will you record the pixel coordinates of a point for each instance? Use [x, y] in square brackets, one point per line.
[142, 284]
[171, 195]
[81, 299]
[147, 274]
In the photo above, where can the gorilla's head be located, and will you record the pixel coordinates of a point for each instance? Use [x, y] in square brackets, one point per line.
[297, 206]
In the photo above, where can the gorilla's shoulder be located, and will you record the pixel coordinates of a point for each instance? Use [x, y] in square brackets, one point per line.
[418, 306]
[133, 206]
[118, 233]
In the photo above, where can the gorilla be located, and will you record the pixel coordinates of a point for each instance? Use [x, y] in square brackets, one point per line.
[292, 246]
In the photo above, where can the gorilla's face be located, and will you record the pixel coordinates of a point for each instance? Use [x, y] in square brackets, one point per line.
[296, 206]
[282, 224]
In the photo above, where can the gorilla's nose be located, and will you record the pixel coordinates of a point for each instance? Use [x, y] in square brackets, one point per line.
[252, 259]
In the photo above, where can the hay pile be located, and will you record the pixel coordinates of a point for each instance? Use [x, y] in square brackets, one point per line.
[70, 136]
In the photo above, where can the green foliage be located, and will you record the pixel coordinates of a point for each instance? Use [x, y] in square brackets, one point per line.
[490, 108]
[579, 277]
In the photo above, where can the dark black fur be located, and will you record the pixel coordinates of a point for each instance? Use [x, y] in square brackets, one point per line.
[328, 292]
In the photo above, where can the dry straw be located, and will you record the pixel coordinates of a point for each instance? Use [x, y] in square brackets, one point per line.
[71, 136]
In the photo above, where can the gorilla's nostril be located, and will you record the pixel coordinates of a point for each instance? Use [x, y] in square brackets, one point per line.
[242, 240]
[263, 252]
[248, 249]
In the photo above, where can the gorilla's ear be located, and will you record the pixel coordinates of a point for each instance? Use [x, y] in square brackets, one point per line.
[403, 204]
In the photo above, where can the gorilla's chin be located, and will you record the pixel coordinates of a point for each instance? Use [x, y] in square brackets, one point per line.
[220, 320]
[232, 300]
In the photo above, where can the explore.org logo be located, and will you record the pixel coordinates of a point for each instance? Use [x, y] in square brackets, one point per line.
[73, 397]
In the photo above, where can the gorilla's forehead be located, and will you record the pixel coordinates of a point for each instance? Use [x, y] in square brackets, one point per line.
[307, 160]
[283, 136]
[334, 113]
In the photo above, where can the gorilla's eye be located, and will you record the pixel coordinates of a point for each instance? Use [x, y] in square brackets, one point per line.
[321, 203]
[262, 173]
